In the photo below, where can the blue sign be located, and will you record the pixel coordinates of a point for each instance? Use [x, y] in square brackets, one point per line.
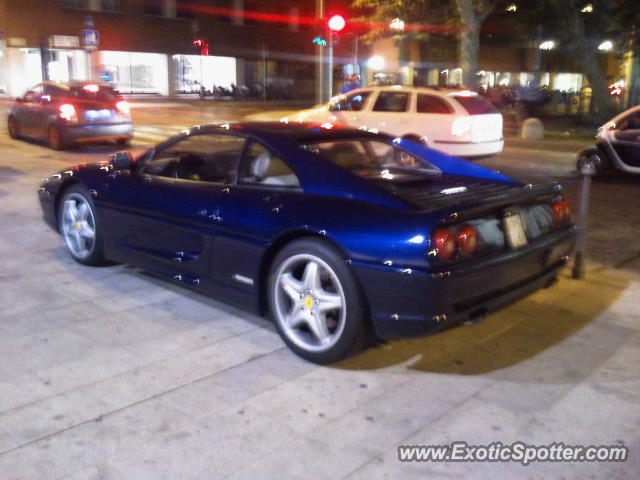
[90, 39]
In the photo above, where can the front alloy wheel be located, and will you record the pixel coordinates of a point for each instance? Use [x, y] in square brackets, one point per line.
[79, 228]
[315, 302]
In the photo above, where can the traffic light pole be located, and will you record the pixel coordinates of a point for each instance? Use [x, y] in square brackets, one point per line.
[319, 57]
[330, 72]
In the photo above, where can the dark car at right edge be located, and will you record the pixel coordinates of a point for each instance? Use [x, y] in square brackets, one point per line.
[617, 146]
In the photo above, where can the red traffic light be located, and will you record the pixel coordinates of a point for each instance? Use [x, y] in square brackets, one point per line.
[202, 45]
[336, 23]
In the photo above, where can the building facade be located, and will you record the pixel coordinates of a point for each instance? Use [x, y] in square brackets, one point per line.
[147, 46]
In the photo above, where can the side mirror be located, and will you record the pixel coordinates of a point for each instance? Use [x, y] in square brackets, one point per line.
[121, 160]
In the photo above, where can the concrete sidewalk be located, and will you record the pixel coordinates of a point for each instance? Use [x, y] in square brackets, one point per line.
[111, 374]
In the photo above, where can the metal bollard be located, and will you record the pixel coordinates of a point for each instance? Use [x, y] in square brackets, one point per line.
[587, 170]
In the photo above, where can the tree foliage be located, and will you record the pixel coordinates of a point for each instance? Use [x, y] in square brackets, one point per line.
[431, 21]
[578, 32]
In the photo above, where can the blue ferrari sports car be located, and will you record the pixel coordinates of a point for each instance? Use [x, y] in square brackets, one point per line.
[334, 233]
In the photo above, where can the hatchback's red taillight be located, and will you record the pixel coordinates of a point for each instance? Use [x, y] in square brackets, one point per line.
[123, 107]
[468, 239]
[68, 112]
[446, 242]
[561, 212]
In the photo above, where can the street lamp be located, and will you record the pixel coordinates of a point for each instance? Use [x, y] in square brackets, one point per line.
[376, 62]
[396, 24]
[606, 46]
[548, 45]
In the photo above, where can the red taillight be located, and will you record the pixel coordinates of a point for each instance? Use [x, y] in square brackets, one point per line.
[446, 242]
[468, 239]
[68, 112]
[561, 211]
[123, 107]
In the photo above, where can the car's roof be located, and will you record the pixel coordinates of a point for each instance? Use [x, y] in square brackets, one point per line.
[409, 88]
[75, 83]
[296, 131]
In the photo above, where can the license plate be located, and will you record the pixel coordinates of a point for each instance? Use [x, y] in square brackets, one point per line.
[514, 230]
[98, 114]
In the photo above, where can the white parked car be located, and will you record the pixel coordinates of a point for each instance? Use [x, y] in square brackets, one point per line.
[457, 122]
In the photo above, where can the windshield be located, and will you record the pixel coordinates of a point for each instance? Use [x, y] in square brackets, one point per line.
[374, 159]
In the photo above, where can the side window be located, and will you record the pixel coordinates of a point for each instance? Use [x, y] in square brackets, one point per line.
[260, 166]
[353, 102]
[208, 157]
[34, 94]
[391, 102]
[432, 104]
[52, 93]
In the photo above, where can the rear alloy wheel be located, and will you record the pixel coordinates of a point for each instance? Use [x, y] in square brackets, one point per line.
[55, 139]
[79, 227]
[315, 302]
[12, 127]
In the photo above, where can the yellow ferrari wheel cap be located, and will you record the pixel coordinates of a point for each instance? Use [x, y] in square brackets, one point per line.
[308, 302]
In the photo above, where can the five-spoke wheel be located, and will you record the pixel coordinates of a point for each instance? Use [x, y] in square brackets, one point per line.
[79, 228]
[315, 302]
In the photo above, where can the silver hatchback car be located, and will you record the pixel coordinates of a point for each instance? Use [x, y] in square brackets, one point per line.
[64, 114]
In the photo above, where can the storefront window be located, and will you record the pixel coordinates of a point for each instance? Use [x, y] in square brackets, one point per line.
[3, 67]
[133, 72]
[65, 65]
[193, 71]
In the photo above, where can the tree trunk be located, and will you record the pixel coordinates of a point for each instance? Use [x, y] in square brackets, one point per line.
[472, 14]
[584, 47]
[601, 102]
[469, 48]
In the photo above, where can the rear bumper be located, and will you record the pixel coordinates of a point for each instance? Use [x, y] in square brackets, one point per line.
[98, 132]
[413, 303]
[469, 149]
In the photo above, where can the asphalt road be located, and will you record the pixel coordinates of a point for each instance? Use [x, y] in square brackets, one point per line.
[614, 220]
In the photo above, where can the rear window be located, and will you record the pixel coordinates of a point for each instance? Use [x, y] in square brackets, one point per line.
[373, 159]
[475, 104]
[100, 93]
[432, 104]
